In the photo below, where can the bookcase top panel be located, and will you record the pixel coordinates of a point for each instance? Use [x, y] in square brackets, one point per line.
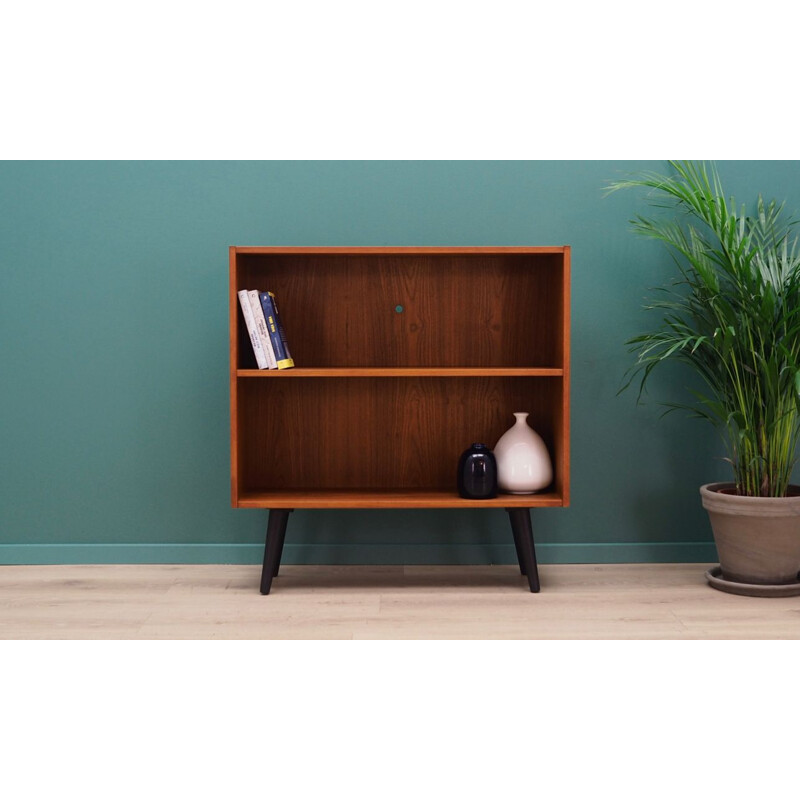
[399, 250]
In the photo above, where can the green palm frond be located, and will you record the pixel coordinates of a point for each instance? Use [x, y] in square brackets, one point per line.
[732, 314]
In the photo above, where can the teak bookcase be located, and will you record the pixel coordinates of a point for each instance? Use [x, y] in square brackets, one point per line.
[405, 356]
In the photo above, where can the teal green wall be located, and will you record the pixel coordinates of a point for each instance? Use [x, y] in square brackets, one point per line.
[114, 403]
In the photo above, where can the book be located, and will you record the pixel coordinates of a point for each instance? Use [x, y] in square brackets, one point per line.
[277, 334]
[261, 327]
[249, 321]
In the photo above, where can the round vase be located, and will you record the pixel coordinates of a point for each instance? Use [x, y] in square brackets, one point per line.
[477, 473]
[523, 463]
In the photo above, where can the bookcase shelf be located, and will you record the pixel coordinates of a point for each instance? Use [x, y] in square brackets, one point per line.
[414, 353]
[402, 372]
[389, 498]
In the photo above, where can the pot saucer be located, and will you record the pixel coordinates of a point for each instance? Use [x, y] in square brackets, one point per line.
[715, 579]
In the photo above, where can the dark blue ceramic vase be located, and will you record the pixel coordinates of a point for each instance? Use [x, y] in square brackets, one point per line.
[477, 473]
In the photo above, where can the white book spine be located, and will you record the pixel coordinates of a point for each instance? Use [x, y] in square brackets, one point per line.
[261, 327]
[247, 311]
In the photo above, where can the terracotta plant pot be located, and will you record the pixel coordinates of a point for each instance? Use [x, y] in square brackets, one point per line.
[757, 538]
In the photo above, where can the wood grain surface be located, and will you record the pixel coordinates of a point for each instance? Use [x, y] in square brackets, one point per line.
[376, 433]
[409, 355]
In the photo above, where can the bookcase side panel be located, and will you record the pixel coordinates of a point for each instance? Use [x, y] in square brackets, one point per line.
[234, 343]
[563, 417]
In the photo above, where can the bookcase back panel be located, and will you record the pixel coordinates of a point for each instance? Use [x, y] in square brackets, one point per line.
[378, 433]
[412, 310]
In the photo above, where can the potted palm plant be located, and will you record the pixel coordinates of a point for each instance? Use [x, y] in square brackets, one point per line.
[733, 315]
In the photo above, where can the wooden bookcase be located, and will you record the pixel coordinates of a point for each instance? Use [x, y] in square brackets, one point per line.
[405, 356]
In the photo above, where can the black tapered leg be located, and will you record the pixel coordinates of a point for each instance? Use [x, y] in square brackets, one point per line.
[523, 537]
[273, 549]
[519, 552]
[282, 539]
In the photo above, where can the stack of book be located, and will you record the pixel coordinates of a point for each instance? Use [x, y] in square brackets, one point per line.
[267, 335]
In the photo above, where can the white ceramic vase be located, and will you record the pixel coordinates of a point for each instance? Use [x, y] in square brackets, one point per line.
[523, 463]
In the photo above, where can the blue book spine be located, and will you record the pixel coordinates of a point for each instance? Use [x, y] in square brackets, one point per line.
[277, 335]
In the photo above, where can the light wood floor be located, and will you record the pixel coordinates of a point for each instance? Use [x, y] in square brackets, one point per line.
[631, 601]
